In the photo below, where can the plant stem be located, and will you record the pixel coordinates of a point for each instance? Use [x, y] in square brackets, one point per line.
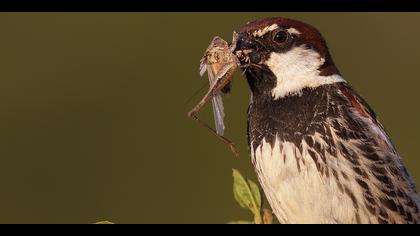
[257, 216]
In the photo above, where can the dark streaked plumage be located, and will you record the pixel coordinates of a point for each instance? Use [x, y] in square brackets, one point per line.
[320, 152]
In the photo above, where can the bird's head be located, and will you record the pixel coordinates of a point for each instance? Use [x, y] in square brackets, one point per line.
[281, 56]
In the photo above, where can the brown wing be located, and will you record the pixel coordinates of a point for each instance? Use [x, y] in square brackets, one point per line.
[393, 195]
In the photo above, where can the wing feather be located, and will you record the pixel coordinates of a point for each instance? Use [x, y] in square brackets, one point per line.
[393, 187]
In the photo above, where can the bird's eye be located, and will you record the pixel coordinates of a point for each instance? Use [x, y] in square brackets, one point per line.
[281, 37]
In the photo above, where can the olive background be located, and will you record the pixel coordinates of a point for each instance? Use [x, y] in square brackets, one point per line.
[93, 107]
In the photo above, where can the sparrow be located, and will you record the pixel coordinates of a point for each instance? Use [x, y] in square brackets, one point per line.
[319, 151]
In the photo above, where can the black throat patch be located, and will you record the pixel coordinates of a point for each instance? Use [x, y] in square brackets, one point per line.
[292, 117]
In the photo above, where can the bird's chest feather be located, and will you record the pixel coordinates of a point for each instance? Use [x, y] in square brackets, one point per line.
[296, 190]
[290, 145]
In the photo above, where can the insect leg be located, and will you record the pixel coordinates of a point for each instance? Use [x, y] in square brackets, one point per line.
[225, 140]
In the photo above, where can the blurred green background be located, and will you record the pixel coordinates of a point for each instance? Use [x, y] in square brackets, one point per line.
[93, 106]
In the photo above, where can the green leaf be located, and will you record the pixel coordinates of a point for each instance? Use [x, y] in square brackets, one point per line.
[241, 191]
[246, 193]
[104, 222]
[240, 222]
[255, 192]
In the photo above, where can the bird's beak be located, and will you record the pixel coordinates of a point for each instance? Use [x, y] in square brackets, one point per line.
[243, 42]
[245, 49]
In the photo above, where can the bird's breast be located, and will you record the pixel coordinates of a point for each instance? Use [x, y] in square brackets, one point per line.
[297, 191]
[298, 159]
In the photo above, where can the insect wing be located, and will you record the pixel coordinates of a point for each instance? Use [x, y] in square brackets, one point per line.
[219, 113]
[203, 66]
[217, 103]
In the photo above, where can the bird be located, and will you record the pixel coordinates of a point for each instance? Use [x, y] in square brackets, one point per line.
[319, 151]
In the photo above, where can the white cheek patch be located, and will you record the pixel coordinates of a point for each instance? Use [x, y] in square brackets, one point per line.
[297, 69]
[262, 32]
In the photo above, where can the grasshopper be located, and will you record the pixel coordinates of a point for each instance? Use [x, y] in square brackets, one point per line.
[220, 64]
